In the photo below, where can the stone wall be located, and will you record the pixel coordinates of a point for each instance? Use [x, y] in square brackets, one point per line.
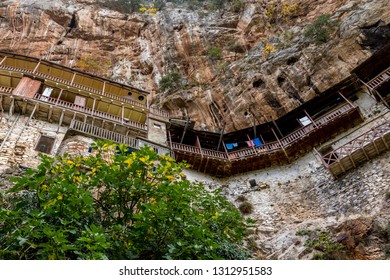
[19, 137]
[304, 195]
[157, 131]
[75, 146]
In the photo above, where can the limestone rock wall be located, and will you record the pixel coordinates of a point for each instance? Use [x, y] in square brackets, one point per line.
[239, 86]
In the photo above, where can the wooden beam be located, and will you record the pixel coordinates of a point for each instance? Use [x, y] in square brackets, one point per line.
[123, 113]
[61, 119]
[24, 107]
[185, 129]
[1, 62]
[50, 113]
[277, 127]
[348, 101]
[11, 107]
[59, 96]
[93, 106]
[221, 136]
[74, 76]
[281, 146]
[36, 67]
[32, 113]
[104, 87]
[307, 114]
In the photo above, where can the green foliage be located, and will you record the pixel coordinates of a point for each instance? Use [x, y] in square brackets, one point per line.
[321, 241]
[237, 6]
[318, 31]
[117, 205]
[214, 53]
[171, 81]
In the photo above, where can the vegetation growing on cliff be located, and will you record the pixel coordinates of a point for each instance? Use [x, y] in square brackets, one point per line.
[117, 204]
[319, 31]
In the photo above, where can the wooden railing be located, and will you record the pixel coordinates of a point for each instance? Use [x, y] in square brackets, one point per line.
[359, 143]
[6, 89]
[159, 112]
[103, 133]
[271, 146]
[379, 79]
[89, 111]
[160, 150]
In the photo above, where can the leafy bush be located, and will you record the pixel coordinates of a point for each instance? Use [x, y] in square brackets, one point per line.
[117, 205]
[321, 241]
[214, 53]
[237, 6]
[171, 81]
[318, 31]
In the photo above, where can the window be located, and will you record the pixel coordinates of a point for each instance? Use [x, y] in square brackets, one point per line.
[156, 125]
[305, 121]
[45, 144]
[141, 98]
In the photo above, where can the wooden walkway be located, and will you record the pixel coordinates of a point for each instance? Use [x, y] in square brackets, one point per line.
[278, 152]
[359, 150]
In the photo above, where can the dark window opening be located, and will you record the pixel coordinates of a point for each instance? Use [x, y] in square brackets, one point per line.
[258, 83]
[129, 93]
[45, 144]
[141, 98]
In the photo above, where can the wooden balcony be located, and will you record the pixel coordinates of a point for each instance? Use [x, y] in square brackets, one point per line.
[358, 150]
[101, 133]
[379, 79]
[282, 151]
[159, 113]
[89, 111]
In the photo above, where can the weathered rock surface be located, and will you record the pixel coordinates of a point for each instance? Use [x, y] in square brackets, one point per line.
[241, 85]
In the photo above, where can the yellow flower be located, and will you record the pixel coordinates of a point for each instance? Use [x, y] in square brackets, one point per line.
[129, 161]
[59, 197]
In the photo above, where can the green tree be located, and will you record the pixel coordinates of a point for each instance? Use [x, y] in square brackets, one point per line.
[117, 204]
[170, 82]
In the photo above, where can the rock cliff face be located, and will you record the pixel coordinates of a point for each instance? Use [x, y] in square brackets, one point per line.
[246, 81]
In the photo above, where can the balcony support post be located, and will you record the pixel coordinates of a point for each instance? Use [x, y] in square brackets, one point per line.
[281, 146]
[307, 114]
[11, 107]
[347, 100]
[32, 113]
[221, 136]
[24, 108]
[61, 119]
[50, 113]
[59, 96]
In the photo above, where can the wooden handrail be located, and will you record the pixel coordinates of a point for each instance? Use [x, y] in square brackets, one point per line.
[86, 110]
[103, 133]
[271, 146]
[357, 143]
